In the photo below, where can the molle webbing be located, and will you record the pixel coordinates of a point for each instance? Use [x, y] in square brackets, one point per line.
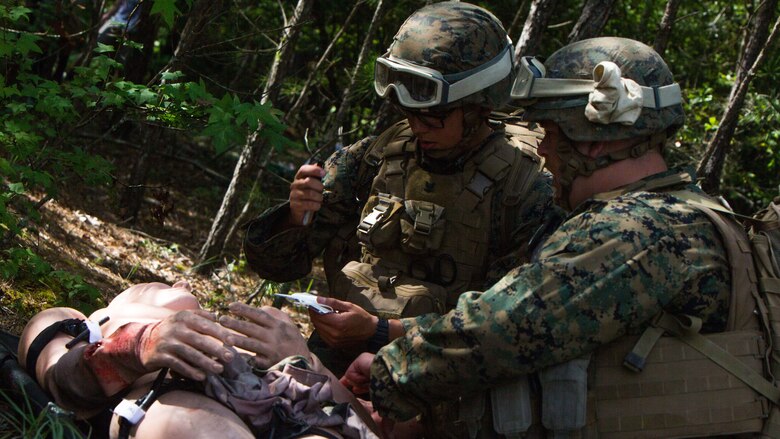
[680, 392]
[765, 238]
[396, 154]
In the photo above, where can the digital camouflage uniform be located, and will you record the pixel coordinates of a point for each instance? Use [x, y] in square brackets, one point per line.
[614, 263]
[288, 255]
[604, 322]
[414, 259]
[451, 38]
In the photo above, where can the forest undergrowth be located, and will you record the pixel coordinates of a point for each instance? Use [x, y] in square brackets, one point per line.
[81, 233]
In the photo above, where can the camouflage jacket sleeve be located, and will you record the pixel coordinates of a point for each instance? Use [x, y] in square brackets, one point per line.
[607, 270]
[287, 255]
[528, 221]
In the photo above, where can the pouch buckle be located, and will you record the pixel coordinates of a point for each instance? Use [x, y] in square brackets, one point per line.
[424, 219]
[377, 213]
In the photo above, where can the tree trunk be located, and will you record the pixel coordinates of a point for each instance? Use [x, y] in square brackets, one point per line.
[243, 216]
[535, 25]
[665, 30]
[135, 190]
[592, 20]
[254, 146]
[711, 166]
[136, 63]
[202, 12]
[292, 114]
[346, 102]
[516, 20]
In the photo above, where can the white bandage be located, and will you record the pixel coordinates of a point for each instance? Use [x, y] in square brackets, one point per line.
[614, 99]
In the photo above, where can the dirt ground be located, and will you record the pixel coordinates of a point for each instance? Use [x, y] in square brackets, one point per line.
[81, 232]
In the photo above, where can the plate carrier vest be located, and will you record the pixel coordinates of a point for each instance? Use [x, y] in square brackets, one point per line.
[425, 236]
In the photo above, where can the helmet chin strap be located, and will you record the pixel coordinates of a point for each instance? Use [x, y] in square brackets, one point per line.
[574, 163]
[472, 120]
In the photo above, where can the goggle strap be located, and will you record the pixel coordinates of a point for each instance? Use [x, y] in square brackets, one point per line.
[488, 74]
[653, 97]
[661, 97]
[550, 88]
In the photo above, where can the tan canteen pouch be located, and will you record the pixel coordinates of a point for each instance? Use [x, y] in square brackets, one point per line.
[389, 294]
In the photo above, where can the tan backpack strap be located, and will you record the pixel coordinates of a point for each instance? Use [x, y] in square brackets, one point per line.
[392, 147]
[375, 151]
[686, 329]
[743, 271]
[493, 164]
[766, 241]
[637, 358]
[527, 164]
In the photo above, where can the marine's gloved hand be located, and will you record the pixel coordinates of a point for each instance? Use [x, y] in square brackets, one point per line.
[267, 331]
[358, 375]
[306, 192]
[349, 326]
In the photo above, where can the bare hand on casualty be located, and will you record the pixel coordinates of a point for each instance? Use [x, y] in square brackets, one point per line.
[189, 342]
[267, 332]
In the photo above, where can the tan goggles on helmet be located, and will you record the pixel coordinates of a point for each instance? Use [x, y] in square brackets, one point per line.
[422, 87]
[531, 83]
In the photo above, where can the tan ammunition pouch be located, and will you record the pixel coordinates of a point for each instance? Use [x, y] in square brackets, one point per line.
[388, 294]
[380, 226]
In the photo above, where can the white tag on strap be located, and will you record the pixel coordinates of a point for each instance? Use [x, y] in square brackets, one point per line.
[95, 334]
[130, 411]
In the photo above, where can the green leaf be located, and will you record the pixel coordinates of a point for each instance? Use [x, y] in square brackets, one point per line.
[134, 45]
[18, 12]
[7, 92]
[104, 48]
[17, 107]
[172, 76]
[166, 9]
[7, 44]
[146, 95]
[27, 43]
[17, 188]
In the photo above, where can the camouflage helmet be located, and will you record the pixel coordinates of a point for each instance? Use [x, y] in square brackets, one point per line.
[463, 43]
[636, 61]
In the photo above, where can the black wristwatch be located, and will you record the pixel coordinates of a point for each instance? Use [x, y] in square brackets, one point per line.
[381, 337]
